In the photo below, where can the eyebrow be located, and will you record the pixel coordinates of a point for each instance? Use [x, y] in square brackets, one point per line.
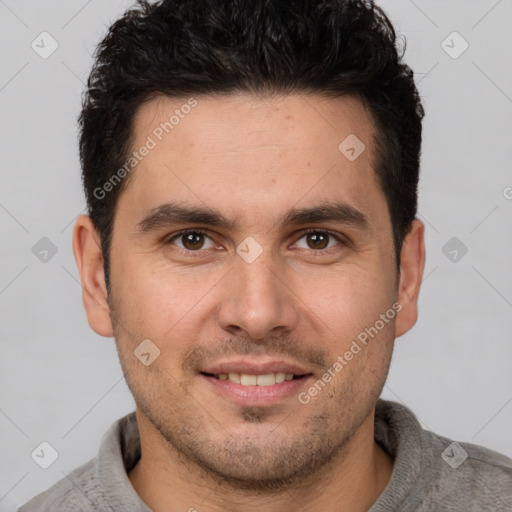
[169, 214]
[336, 212]
[175, 213]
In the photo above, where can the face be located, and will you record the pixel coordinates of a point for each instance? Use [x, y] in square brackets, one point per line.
[248, 248]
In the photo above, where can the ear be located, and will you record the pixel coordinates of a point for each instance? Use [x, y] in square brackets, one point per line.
[412, 263]
[89, 259]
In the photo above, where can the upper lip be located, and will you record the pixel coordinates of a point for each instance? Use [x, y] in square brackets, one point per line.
[252, 367]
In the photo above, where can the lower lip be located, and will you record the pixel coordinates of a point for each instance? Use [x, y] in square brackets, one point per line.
[256, 395]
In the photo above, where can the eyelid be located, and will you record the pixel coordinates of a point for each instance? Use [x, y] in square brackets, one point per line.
[171, 237]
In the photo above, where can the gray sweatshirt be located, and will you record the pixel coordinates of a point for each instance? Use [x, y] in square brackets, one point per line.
[430, 473]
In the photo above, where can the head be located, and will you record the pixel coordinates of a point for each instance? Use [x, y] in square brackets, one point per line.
[235, 121]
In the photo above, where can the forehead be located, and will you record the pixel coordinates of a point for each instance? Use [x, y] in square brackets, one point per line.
[241, 121]
[256, 152]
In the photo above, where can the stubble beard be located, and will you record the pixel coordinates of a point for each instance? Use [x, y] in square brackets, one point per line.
[262, 464]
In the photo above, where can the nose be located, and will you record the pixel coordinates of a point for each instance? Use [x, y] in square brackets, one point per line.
[257, 301]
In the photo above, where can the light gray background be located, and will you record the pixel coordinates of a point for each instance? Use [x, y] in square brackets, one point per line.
[61, 383]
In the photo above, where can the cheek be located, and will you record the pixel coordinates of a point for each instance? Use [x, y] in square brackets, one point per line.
[347, 299]
[158, 302]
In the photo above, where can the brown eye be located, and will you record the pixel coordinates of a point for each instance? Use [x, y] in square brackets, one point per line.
[317, 240]
[192, 241]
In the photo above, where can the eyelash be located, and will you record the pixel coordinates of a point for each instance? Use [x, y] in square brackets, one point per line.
[199, 231]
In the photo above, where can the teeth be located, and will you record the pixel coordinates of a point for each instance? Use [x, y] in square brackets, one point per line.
[248, 380]
[234, 377]
[266, 380]
[256, 380]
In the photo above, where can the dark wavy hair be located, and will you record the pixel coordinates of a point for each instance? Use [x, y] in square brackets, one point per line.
[192, 47]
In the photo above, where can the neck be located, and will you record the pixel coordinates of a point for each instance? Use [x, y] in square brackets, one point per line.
[351, 482]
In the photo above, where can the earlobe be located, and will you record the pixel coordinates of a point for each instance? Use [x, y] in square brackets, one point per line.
[412, 263]
[89, 259]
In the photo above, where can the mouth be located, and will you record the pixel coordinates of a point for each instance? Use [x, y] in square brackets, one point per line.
[255, 382]
[246, 379]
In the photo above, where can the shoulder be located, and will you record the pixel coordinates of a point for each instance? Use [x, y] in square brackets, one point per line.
[432, 472]
[77, 491]
[467, 473]
[102, 483]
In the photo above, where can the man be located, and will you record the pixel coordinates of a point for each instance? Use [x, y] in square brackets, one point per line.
[251, 172]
